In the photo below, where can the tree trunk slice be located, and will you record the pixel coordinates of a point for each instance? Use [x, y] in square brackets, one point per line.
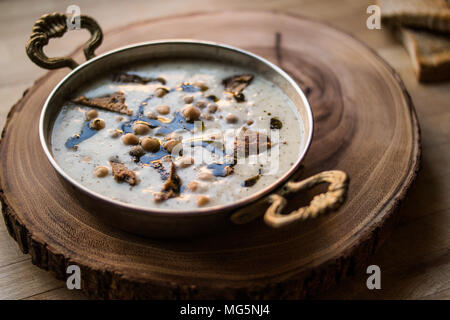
[364, 124]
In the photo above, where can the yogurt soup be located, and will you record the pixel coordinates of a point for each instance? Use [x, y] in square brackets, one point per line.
[178, 134]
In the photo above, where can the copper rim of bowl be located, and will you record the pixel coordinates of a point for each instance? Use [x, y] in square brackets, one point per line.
[198, 211]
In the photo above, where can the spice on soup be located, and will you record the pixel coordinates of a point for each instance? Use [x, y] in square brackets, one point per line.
[113, 102]
[124, 77]
[122, 173]
[236, 84]
[251, 181]
[171, 187]
[275, 123]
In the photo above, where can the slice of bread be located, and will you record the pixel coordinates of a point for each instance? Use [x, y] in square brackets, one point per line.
[429, 52]
[433, 15]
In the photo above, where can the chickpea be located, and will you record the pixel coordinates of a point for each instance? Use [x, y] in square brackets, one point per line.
[207, 116]
[185, 162]
[228, 170]
[202, 200]
[191, 113]
[205, 175]
[161, 92]
[140, 128]
[171, 144]
[86, 159]
[173, 136]
[231, 118]
[151, 115]
[137, 151]
[119, 118]
[115, 133]
[101, 171]
[212, 107]
[97, 124]
[161, 80]
[200, 104]
[130, 139]
[150, 144]
[163, 109]
[188, 99]
[192, 186]
[201, 85]
[91, 114]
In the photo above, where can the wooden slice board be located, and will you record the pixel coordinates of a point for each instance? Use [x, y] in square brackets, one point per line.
[364, 124]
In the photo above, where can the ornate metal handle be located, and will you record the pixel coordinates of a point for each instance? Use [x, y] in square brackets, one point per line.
[54, 25]
[321, 203]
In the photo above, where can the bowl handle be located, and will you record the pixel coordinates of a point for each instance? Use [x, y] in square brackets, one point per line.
[330, 200]
[54, 25]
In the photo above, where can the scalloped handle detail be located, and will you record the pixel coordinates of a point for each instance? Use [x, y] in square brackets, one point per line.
[54, 25]
[321, 203]
[330, 200]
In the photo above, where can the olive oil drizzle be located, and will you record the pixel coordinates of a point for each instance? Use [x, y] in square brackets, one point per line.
[85, 133]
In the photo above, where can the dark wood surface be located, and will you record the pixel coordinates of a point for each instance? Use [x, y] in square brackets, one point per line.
[364, 125]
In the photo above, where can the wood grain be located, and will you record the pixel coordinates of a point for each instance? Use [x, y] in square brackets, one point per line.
[364, 125]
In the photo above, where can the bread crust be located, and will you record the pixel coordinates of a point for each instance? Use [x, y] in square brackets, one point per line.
[432, 15]
[429, 52]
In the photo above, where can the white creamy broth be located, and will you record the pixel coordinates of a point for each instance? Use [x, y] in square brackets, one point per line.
[199, 186]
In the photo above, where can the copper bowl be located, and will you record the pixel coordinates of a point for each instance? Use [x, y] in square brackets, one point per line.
[154, 222]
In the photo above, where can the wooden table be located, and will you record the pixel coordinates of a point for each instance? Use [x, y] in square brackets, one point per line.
[414, 262]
